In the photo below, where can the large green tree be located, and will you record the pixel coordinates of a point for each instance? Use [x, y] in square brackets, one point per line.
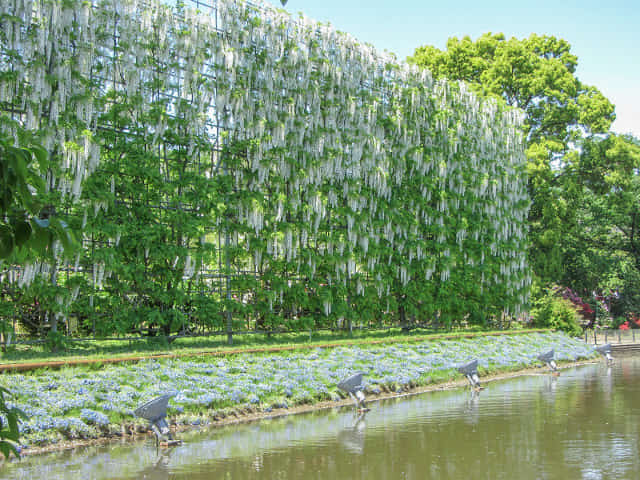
[602, 249]
[538, 75]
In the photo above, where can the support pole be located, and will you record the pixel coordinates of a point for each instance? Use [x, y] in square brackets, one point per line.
[227, 274]
[228, 280]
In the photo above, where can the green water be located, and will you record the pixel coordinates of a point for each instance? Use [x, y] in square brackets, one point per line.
[582, 425]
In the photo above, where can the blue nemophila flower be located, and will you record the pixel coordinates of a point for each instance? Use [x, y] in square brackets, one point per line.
[237, 396]
[73, 426]
[37, 423]
[257, 379]
[208, 398]
[94, 418]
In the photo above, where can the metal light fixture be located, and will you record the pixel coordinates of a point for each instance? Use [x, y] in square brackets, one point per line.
[547, 358]
[353, 386]
[605, 351]
[470, 370]
[155, 411]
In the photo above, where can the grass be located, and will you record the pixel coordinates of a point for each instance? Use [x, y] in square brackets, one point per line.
[96, 351]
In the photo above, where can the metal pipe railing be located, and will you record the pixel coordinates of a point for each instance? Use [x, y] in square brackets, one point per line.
[613, 336]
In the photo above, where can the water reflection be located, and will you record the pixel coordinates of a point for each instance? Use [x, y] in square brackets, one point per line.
[160, 469]
[352, 438]
[583, 424]
[550, 387]
[470, 410]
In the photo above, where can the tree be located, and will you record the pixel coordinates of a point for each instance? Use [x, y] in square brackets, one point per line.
[602, 251]
[536, 74]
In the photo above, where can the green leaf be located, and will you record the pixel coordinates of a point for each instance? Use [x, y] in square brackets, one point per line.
[62, 233]
[7, 449]
[22, 232]
[21, 159]
[42, 156]
[40, 239]
[6, 241]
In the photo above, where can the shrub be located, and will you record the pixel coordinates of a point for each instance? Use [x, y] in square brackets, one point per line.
[621, 323]
[552, 311]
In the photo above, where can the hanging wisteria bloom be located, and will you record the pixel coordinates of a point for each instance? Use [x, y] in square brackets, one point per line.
[316, 156]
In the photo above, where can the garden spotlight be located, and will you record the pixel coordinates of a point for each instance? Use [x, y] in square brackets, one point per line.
[353, 386]
[156, 411]
[547, 358]
[470, 370]
[605, 351]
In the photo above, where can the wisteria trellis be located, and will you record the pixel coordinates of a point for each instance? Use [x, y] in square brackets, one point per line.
[341, 183]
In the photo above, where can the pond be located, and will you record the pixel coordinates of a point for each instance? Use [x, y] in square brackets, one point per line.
[583, 424]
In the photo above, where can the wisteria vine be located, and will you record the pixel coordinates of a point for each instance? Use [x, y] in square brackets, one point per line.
[236, 159]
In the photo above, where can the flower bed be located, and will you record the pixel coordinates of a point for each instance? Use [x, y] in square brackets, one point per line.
[79, 402]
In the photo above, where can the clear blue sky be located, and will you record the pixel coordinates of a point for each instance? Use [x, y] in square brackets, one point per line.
[605, 35]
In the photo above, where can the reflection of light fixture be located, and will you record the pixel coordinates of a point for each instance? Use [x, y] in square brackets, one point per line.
[156, 412]
[547, 358]
[353, 386]
[605, 351]
[470, 370]
[353, 437]
[470, 410]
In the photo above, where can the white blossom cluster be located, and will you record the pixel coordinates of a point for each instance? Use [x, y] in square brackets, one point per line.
[349, 168]
[370, 152]
[48, 92]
